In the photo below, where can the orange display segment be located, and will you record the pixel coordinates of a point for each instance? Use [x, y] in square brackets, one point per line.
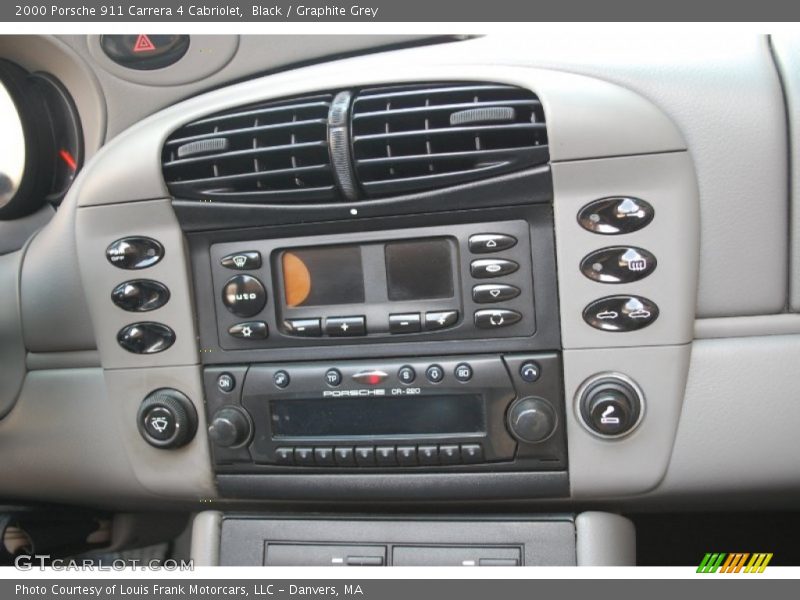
[296, 279]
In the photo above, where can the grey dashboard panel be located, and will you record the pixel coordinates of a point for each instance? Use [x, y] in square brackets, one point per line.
[786, 48]
[604, 540]
[738, 429]
[14, 234]
[667, 183]
[12, 346]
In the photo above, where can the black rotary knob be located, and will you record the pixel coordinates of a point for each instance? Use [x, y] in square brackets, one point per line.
[532, 420]
[230, 427]
[167, 419]
[611, 405]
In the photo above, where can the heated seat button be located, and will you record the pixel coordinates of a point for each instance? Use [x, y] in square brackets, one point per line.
[135, 252]
[482, 243]
[244, 295]
[494, 292]
[345, 326]
[140, 295]
[242, 261]
[146, 338]
[144, 52]
[484, 268]
[250, 330]
[620, 313]
[616, 215]
[303, 327]
[618, 264]
[440, 319]
[496, 318]
[405, 323]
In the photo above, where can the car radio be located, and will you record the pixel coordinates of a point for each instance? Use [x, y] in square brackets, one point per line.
[473, 413]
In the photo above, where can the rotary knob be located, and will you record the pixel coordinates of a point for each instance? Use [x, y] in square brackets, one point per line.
[230, 427]
[167, 419]
[532, 420]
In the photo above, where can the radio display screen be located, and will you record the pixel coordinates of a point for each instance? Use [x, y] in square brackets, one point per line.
[370, 416]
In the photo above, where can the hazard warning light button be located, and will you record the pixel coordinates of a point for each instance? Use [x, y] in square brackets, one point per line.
[145, 52]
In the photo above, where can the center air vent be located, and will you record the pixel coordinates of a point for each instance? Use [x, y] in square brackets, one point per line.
[419, 137]
[268, 152]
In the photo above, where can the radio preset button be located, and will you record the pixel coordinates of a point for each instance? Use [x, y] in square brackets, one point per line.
[616, 215]
[483, 243]
[281, 379]
[284, 456]
[407, 456]
[530, 371]
[406, 374]
[333, 377]
[471, 453]
[345, 326]
[385, 456]
[463, 372]
[365, 456]
[344, 457]
[434, 373]
[428, 455]
[249, 330]
[244, 295]
[496, 317]
[618, 264]
[304, 456]
[135, 252]
[620, 313]
[485, 268]
[440, 319]
[449, 454]
[405, 323]
[372, 377]
[303, 327]
[242, 261]
[486, 293]
[324, 457]
[226, 383]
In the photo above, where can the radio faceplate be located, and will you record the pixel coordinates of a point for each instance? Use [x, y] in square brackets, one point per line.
[418, 414]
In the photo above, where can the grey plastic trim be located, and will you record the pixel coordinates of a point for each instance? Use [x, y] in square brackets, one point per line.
[786, 52]
[604, 540]
[206, 538]
[96, 228]
[206, 55]
[613, 127]
[636, 463]
[12, 346]
[79, 359]
[732, 327]
[14, 234]
[667, 182]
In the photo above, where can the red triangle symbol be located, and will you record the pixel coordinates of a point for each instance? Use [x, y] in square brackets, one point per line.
[143, 44]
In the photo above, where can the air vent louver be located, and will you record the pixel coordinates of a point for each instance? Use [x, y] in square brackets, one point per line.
[273, 151]
[421, 137]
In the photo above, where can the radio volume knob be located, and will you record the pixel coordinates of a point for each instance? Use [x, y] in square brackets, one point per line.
[230, 427]
[532, 420]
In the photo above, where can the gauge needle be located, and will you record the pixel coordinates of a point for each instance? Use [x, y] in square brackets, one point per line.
[68, 158]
